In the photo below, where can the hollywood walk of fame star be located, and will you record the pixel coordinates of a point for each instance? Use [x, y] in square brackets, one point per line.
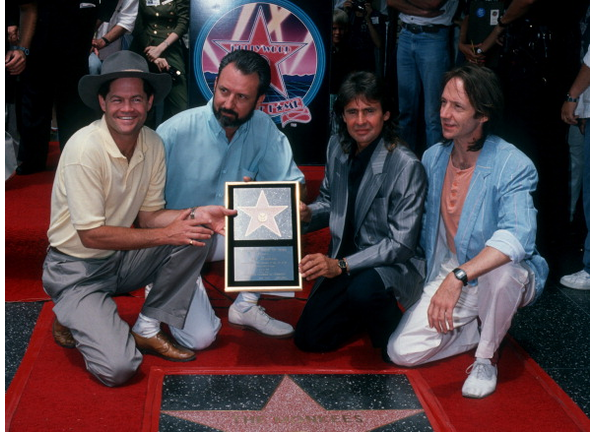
[260, 42]
[291, 409]
[262, 215]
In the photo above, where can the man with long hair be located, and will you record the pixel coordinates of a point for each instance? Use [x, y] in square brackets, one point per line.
[372, 200]
[478, 236]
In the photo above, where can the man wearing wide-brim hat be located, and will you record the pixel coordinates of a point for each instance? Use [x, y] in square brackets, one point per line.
[110, 234]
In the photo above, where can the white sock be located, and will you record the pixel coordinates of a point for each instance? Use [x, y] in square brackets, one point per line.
[245, 300]
[146, 327]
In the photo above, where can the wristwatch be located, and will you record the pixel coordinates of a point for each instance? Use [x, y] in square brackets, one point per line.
[461, 275]
[571, 99]
[343, 265]
[20, 48]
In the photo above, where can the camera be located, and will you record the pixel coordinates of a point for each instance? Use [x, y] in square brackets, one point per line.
[359, 5]
[174, 73]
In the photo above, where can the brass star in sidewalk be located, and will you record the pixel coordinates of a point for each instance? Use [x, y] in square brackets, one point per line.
[262, 215]
[291, 409]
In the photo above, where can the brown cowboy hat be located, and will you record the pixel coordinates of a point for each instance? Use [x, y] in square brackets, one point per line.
[122, 64]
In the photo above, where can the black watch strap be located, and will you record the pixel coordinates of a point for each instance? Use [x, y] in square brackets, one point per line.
[461, 275]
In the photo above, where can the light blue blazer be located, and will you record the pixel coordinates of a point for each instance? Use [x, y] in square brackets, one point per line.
[498, 210]
[388, 214]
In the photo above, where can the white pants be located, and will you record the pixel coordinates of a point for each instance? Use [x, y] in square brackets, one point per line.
[202, 325]
[494, 301]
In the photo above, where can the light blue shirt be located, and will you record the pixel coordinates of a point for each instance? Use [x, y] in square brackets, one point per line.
[200, 159]
[498, 210]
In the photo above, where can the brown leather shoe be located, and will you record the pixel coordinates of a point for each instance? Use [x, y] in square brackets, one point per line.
[163, 346]
[62, 335]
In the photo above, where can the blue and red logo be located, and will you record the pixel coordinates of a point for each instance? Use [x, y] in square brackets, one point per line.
[279, 31]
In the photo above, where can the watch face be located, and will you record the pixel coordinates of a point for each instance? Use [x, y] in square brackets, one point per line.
[342, 264]
[460, 275]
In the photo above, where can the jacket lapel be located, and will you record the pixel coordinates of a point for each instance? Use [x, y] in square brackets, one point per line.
[370, 183]
[474, 199]
[340, 196]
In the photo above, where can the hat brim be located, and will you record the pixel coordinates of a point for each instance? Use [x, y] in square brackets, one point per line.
[89, 85]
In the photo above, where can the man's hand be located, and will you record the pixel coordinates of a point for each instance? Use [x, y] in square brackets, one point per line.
[568, 113]
[12, 34]
[15, 61]
[314, 266]
[472, 53]
[213, 216]
[183, 230]
[304, 212]
[442, 304]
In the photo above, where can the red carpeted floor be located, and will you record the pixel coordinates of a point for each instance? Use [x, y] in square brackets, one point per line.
[52, 392]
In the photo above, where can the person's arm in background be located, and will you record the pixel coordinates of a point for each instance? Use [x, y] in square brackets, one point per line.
[580, 84]
[15, 60]
[516, 10]
[182, 9]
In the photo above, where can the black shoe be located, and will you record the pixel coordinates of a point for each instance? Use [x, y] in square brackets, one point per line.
[27, 168]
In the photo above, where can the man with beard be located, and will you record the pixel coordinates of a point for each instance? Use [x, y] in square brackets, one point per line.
[227, 140]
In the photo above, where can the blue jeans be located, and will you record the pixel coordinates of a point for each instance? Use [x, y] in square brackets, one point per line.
[422, 60]
[586, 194]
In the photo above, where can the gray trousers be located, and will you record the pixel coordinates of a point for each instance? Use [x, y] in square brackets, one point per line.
[82, 291]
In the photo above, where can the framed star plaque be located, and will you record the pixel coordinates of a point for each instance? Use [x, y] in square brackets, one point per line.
[263, 242]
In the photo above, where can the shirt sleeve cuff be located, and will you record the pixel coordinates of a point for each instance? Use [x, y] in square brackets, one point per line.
[505, 242]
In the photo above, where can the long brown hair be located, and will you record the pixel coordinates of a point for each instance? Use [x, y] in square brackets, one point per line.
[367, 86]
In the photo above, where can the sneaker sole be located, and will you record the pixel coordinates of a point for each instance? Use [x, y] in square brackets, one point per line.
[255, 330]
[476, 397]
[576, 287]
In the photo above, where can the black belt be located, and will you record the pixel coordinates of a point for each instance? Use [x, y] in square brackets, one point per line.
[55, 249]
[416, 29]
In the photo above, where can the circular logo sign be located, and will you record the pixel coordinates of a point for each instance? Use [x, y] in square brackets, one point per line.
[284, 35]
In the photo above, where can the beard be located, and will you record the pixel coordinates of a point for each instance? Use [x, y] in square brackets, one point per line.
[232, 120]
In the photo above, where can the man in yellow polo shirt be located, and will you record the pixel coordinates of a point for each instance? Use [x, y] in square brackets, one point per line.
[111, 176]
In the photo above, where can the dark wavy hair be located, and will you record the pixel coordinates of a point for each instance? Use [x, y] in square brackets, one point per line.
[249, 62]
[367, 86]
[484, 92]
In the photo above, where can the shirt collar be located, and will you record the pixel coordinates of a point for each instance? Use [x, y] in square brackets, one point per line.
[111, 147]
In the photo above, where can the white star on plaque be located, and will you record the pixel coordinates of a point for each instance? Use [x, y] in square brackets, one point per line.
[262, 215]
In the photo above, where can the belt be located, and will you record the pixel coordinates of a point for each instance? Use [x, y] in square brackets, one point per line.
[55, 249]
[416, 29]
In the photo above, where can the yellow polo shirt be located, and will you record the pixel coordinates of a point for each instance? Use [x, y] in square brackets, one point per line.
[95, 186]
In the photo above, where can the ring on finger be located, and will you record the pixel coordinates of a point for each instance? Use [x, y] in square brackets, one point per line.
[191, 242]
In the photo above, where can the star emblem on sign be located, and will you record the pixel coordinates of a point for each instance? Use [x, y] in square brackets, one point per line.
[291, 409]
[263, 215]
[276, 52]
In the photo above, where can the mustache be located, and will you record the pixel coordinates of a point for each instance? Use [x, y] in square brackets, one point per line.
[228, 111]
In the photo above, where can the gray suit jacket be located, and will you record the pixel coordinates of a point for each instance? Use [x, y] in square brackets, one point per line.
[388, 215]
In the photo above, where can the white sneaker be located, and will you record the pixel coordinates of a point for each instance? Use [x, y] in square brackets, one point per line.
[256, 319]
[579, 280]
[482, 380]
